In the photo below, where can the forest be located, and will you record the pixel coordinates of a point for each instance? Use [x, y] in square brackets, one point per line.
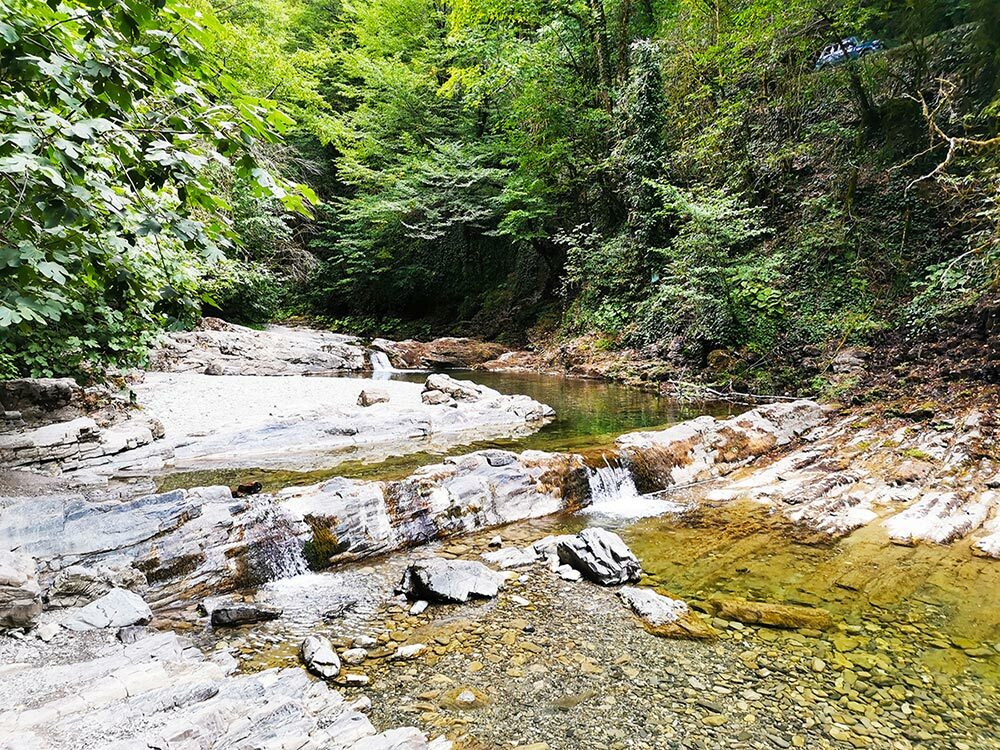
[677, 176]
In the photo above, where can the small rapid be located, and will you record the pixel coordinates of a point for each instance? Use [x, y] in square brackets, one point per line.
[613, 493]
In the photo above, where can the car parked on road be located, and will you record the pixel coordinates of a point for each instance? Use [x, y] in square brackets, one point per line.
[845, 50]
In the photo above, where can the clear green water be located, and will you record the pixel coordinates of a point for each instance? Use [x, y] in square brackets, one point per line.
[590, 414]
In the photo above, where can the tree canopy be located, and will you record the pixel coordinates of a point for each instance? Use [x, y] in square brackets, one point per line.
[674, 174]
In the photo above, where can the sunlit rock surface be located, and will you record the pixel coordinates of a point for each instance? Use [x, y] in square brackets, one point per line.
[707, 448]
[440, 353]
[351, 518]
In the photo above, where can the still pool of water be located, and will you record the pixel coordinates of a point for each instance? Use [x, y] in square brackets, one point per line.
[590, 414]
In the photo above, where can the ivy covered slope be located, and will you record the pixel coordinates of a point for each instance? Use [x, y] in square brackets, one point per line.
[117, 136]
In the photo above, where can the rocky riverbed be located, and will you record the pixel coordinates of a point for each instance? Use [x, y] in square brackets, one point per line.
[564, 663]
[793, 576]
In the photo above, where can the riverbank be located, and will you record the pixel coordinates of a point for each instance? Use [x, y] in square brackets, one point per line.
[780, 530]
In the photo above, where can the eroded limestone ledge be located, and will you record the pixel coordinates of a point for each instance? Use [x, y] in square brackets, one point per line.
[706, 448]
[54, 424]
[924, 480]
[216, 347]
[194, 543]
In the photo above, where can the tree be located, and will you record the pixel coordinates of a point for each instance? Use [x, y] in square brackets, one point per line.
[112, 123]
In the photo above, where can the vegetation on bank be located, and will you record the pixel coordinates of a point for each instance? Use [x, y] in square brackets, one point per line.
[671, 175]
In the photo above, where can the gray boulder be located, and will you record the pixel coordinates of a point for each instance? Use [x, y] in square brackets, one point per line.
[116, 609]
[319, 657]
[600, 556]
[437, 398]
[20, 595]
[450, 580]
[460, 390]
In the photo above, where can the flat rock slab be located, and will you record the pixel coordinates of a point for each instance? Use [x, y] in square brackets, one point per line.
[116, 609]
[450, 581]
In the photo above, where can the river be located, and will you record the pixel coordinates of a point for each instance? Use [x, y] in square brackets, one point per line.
[913, 660]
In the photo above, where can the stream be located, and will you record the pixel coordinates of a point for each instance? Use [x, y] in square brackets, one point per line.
[913, 660]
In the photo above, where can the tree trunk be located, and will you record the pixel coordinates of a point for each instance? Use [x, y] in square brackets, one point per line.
[601, 49]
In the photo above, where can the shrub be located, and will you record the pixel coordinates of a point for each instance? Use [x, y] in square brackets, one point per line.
[245, 292]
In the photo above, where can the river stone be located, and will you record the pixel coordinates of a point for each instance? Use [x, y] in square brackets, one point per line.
[116, 609]
[372, 396]
[449, 580]
[354, 656]
[663, 616]
[20, 596]
[239, 613]
[410, 651]
[772, 615]
[601, 556]
[319, 657]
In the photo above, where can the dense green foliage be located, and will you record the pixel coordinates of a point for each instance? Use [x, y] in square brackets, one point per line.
[670, 174]
[115, 131]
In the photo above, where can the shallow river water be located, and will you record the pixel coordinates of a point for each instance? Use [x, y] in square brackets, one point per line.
[912, 661]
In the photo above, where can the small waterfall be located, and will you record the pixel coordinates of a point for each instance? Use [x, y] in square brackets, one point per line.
[381, 366]
[613, 493]
[284, 557]
[611, 483]
[274, 551]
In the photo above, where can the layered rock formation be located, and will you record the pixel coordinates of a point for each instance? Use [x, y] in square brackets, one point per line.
[922, 482]
[161, 692]
[351, 519]
[60, 426]
[191, 542]
[195, 543]
[216, 347]
[20, 594]
[708, 448]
